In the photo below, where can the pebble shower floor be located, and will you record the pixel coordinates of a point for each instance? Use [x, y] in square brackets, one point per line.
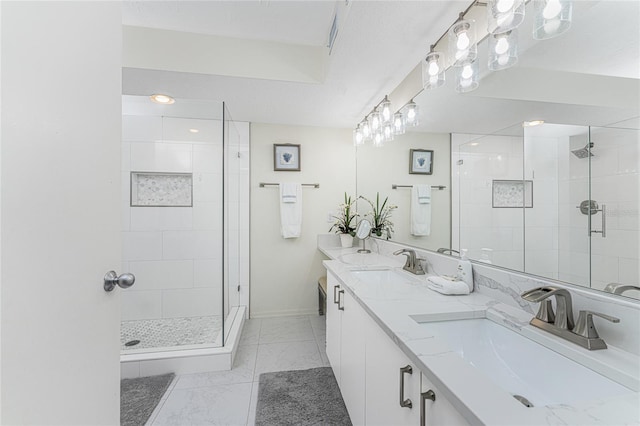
[168, 332]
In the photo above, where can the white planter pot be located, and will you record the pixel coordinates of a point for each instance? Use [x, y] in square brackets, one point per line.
[346, 240]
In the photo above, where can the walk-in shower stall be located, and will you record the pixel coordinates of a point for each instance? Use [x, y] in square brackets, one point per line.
[185, 221]
[559, 201]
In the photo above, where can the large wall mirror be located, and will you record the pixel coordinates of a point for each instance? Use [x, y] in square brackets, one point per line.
[533, 199]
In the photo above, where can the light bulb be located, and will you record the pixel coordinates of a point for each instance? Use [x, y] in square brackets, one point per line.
[386, 113]
[467, 72]
[551, 27]
[504, 5]
[552, 9]
[463, 41]
[366, 130]
[411, 114]
[434, 69]
[502, 46]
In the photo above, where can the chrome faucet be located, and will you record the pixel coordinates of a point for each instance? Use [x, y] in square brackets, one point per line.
[413, 263]
[617, 288]
[561, 323]
[444, 250]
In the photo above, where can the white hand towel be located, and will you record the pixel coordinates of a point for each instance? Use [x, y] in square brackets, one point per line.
[290, 210]
[421, 210]
[446, 285]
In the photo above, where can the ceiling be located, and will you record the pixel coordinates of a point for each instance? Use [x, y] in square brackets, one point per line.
[380, 42]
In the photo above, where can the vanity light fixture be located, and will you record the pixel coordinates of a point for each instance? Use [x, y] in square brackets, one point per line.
[162, 99]
[365, 128]
[552, 18]
[378, 139]
[462, 42]
[503, 50]
[532, 123]
[387, 132]
[467, 77]
[433, 69]
[504, 15]
[385, 110]
[411, 114]
[375, 121]
[399, 125]
[358, 138]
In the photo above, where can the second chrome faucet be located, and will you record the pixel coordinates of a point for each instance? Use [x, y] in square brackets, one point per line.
[561, 322]
[413, 262]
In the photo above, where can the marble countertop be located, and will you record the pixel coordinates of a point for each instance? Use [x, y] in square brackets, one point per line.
[471, 392]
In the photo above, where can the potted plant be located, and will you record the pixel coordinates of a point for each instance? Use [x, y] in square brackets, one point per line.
[380, 216]
[344, 222]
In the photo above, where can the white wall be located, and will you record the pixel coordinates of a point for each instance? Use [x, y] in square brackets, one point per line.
[176, 252]
[284, 272]
[379, 167]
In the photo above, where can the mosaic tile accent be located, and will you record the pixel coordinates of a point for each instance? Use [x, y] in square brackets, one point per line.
[168, 332]
[510, 193]
[161, 189]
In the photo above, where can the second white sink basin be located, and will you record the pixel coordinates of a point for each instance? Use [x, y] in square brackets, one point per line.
[521, 366]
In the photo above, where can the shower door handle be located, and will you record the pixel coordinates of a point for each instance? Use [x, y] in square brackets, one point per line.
[603, 231]
[111, 279]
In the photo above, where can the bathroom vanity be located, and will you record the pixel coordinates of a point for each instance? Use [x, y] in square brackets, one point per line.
[405, 355]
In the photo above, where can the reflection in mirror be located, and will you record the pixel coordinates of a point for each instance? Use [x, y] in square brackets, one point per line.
[576, 79]
[363, 232]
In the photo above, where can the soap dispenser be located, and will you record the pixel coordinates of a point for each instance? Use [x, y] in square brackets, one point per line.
[465, 271]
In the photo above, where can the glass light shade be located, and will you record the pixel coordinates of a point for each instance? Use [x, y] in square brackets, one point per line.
[378, 138]
[387, 132]
[399, 126]
[411, 114]
[504, 15]
[552, 18]
[366, 130]
[375, 121]
[467, 77]
[463, 47]
[385, 110]
[433, 70]
[358, 138]
[503, 50]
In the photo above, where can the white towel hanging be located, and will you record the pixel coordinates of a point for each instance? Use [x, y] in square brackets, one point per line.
[290, 210]
[421, 210]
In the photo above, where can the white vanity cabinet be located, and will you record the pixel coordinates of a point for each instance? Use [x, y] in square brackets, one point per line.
[346, 347]
[389, 382]
[435, 409]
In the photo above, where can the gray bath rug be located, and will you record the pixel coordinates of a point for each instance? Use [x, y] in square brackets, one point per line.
[140, 396]
[304, 397]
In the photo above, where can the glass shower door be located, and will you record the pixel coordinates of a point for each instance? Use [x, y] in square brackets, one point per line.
[614, 160]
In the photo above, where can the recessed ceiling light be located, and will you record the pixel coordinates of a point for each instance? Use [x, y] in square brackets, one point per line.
[194, 130]
[162, 99]
[532, 123]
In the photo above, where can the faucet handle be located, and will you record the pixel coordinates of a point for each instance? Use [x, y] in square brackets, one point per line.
[585, 327]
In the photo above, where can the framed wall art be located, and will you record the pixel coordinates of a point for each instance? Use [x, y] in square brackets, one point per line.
[286, 157]
[420, 162]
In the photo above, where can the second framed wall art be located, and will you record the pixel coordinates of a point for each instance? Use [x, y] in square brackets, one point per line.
[286, 157]
[420, 162]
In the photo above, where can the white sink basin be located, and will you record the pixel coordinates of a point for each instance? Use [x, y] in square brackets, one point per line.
[521, 366]
[387, 284]
[364, 259]
[381, 276]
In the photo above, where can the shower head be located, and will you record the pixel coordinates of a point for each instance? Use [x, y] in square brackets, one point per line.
[583, 152]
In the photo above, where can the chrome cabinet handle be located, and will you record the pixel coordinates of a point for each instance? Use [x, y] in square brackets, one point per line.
[111, 279]
[405, 403]
[341, 308]
[335, 297]
[430, 395]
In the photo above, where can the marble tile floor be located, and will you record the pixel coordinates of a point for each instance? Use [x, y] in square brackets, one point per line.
[169, 332]
[230, 397]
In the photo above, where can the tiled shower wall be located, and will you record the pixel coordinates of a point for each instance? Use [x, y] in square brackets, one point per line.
[476, 225]
[176, 252]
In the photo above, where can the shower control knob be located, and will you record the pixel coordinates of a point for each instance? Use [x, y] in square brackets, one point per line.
[111, 279]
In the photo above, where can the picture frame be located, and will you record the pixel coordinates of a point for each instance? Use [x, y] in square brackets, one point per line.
[286, 157]
[509, 194]
[420, 162]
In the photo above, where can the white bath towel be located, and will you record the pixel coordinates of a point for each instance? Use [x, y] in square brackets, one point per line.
[290, 210]
[421, 210]
[447, 285]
